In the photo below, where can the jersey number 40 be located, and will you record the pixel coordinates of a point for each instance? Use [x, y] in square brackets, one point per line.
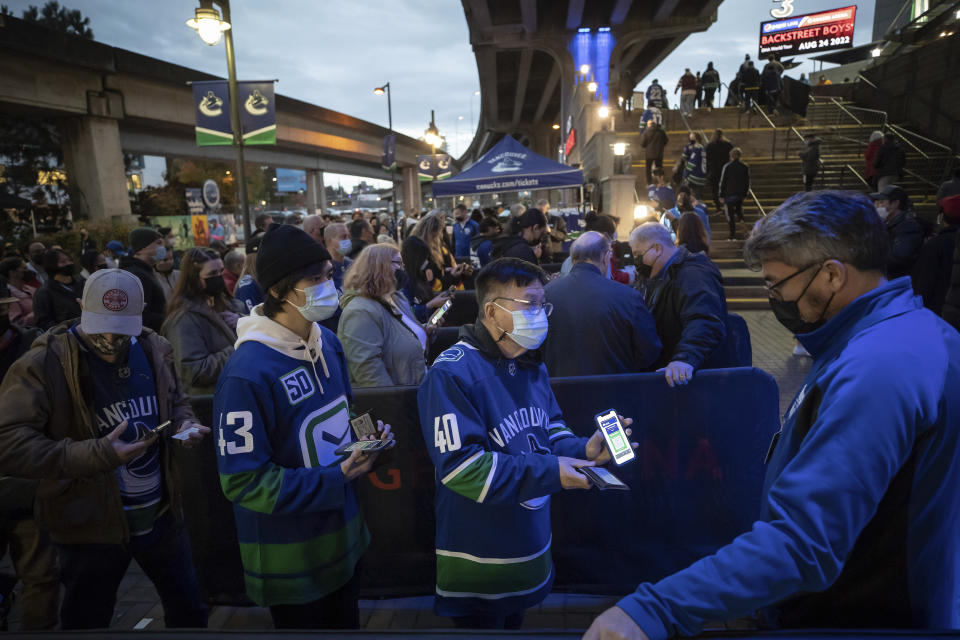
[446, 433]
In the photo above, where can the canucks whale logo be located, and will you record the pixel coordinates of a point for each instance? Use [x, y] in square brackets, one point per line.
[256, 104]
[140, 476]
[211, 106]
[507, 164]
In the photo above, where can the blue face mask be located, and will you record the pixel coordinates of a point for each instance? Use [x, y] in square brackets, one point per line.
[161, 254]
[345, 246]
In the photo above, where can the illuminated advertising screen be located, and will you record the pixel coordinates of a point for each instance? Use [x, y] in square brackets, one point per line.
[810, 33]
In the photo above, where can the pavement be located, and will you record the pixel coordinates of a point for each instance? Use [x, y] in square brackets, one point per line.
[138, 605]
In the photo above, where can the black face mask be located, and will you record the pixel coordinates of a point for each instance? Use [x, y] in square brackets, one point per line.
[401, 277]
[788, 312]
[67, 270]
[214, 285]
[644, 270]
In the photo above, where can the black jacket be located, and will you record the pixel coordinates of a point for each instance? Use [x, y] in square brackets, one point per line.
[890, 160]
[931, 273]
[750, 78]
[597, 327]
[735, 180]
[718, 154]
[654, 140]
[55, 302]
[810, 157]
[689, 308]
[906, 239]
[951, 301]
[513, 247]
[153, 297]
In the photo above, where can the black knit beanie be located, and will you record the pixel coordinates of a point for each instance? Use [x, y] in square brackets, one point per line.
[142, 237]
[284, 250]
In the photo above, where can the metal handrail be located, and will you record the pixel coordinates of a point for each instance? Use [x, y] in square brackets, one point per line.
[856, 173]
[893, 128]
[924, 138]
[797, 133]
[773, 127]
[757, 202]
[921, 178]
[845, 110]
[867, 80]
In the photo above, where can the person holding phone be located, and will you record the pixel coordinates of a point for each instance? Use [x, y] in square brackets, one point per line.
[384, 343]
[417, 286]
[79, 412]
[500, 447]
[281, 408]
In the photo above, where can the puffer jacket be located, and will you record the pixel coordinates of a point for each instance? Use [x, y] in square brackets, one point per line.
[48, 432]
[202, 343]
[381, 350]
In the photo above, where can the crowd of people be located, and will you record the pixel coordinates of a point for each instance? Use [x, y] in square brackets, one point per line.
[94, 366]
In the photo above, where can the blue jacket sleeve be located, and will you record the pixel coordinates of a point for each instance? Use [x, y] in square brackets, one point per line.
[818, 505]
[456, 438]
[243, 414]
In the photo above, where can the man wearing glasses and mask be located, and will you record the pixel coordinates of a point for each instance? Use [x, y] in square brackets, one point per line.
[860, 523]
[500, 447]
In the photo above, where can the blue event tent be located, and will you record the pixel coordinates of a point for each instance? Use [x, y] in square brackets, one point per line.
[509, 166]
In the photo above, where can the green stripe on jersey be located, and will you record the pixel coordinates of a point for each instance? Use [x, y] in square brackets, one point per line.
[471, 480]
[470, 578]
[254, 490]
[301, 572]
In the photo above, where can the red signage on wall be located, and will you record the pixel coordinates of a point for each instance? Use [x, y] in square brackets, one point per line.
[810, 33]
[570, 143]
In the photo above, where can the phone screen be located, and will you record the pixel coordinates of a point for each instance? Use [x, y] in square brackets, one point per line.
[442, 311]
[615, 436]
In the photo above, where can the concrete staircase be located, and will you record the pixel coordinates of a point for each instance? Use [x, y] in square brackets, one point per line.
[775, 169]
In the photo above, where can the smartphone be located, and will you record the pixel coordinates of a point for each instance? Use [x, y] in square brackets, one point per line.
[609, 424]
[156, 432]
[439, 313]
[602, 479]
[367, 446]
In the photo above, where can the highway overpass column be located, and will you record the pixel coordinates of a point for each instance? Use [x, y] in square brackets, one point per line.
[412, 199]
[94, 162]
[618, 201]
[316, 192]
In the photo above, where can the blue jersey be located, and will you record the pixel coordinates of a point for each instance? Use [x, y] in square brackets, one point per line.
[493, 430]
[248, 292]
[281, 410]
[462, 234]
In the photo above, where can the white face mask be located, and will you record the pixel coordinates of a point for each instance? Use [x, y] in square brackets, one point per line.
[882, 212]
[345, 246]
[529, 330]
[322, 301]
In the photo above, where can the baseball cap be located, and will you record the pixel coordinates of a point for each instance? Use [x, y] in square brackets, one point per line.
[890, 192]
[112, 303]
[117, 247]
[950, 206]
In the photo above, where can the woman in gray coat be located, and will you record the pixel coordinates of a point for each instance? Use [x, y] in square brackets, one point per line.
[201, 321]
[384, 342]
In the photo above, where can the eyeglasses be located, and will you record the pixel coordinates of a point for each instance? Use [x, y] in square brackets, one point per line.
[532, 307]
[773, 290]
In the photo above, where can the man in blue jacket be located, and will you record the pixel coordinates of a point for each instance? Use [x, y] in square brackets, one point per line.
[606, 322]
[500, 446]
[860, 523]
[464, 229]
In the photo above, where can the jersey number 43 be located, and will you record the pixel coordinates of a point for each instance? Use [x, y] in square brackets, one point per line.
[446, 433]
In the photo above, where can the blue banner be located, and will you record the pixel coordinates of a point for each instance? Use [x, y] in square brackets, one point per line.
[426, 170]
[211, 104]
[258, 112]
[292, 180]
[388, 160]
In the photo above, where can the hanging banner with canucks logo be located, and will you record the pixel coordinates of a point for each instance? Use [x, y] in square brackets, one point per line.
[426, 170]
[211, 100]
[258, 115]
[388, 160]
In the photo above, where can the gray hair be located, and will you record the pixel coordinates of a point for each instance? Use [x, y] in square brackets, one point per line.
[233, 259]
[541, 203]
[652, 232]
[876, 135]
[810, 228]
[312, 222]
[516, 210]
[590, 247]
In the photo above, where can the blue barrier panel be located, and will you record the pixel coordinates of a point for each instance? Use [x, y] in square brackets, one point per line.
[695, 485]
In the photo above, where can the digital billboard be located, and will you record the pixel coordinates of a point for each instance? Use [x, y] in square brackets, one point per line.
[810, 33]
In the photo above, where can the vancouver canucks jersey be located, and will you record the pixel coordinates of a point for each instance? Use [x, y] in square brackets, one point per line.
[494, 431]
[280, 412]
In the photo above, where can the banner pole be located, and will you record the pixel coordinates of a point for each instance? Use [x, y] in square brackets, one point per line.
[235, 121]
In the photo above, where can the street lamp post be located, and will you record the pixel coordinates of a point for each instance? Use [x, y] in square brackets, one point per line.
[432, 137]
[210, 27]
[393, 177]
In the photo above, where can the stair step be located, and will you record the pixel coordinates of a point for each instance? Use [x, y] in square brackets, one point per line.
[747, 304]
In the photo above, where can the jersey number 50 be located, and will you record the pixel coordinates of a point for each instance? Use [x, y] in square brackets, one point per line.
[446, 433]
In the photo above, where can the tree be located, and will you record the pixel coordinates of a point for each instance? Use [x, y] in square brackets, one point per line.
[30, 154]
[58, 18]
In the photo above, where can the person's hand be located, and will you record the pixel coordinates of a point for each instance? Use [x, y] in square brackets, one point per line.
[127, 451]
[456, 271]
[438, 301]
[194, 438]
[614, 624]
[570, 478]
[230, 318]
[431, 331]
[360, 463]
[597, 451]
[538, 251]
[677, 373]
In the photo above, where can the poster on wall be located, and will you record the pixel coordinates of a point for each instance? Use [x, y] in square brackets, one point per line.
[201, 232]
[809, 33]
[180, 227]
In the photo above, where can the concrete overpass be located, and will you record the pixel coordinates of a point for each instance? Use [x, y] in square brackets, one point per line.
[529, 53]
[109, 101]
